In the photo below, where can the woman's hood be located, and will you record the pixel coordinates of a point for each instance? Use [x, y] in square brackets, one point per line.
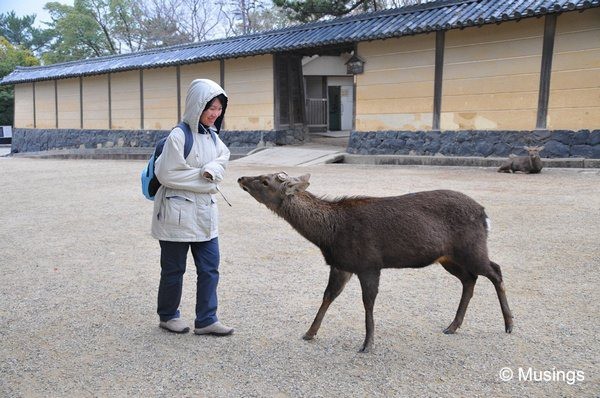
[200, 92]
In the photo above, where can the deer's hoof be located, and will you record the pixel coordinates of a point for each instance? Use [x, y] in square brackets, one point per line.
[450, 329]
[308, 337]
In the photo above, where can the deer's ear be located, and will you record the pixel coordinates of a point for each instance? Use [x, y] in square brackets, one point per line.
[541, 148]
[304, 177]
[296, 184]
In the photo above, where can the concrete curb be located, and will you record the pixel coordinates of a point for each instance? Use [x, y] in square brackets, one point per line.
[320, 157]
[461, 161]
[130, 153]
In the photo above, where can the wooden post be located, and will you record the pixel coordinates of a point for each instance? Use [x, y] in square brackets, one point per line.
[439, 76]
[81, 102]
[178, 72]
[141, 99]
[546, 71]
[34, 115]
[56, 103]
[109, 103]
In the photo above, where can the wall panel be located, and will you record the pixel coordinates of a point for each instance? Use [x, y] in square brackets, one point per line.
[574, 101]
[249, 86]
[160, 98]
[491, 76]
[24, 105]
[45, 105]
[125, 98]
[95, 102]
[69, 104]
[395, 92]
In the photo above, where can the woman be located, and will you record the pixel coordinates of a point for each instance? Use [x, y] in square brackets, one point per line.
[185, 210]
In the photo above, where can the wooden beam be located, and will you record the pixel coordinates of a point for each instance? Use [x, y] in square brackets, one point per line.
[109, 103]
[56, 103]
[222, 73]
[222, 83]
[277, 119]
[546, 71]
[178, 72]
[439, 76]
[81, 102]
[141, 99]
[34, 115]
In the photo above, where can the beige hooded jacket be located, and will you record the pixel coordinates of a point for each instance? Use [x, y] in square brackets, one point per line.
[185, 206]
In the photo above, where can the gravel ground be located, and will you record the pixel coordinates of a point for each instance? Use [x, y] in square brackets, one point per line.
[81, 274]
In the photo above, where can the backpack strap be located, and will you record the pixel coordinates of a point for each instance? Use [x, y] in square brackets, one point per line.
[189, 138]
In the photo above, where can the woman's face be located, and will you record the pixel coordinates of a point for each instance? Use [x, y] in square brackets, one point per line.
[214, 110]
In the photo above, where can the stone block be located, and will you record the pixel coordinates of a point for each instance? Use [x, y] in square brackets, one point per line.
[541, 135]
[594, 137]
[555, 149]
[501, 149]
[581, 151]
[484, 148]
[563, 136]
[581, 137]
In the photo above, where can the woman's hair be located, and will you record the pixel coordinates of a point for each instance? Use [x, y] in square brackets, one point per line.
[222, 99]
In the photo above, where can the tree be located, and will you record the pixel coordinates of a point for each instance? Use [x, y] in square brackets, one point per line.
[313, 10]
[93, 28]
[78, 34]
[127, 20]
[160, 22]
[11, 57]
[19, 31]
[252, 16]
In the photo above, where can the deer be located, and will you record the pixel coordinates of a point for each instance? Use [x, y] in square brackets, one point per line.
[529, 164]
[362, 235]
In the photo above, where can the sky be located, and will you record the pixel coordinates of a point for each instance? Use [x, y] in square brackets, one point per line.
[28, 7]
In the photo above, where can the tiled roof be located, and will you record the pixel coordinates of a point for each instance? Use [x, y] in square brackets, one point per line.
[423, 18]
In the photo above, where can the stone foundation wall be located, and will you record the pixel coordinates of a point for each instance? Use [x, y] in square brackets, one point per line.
[557, 143]
[35, 140]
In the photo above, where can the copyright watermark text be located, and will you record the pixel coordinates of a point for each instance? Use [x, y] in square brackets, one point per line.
[533, 375]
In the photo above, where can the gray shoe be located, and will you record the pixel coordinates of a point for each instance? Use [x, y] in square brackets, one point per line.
[216, 329]
[175, 325]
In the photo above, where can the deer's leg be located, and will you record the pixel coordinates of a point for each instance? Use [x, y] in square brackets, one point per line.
[369, 282]
[337, 281]
[468, 281]
[496, 277]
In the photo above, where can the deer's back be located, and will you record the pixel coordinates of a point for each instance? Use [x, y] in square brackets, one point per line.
[411, 230]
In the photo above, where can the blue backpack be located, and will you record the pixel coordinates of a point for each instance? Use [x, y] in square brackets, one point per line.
[150, 183]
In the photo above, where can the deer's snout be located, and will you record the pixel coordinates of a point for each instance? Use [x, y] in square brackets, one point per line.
[241, 183]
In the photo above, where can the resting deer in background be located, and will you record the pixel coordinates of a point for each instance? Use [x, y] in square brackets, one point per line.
[363, 235]
[530, 164]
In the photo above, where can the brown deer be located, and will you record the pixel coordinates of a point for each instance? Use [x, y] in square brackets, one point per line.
[363, 235]
[530, 164]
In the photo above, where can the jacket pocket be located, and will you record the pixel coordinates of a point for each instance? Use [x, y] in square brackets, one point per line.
[178, 209]
[207, 217]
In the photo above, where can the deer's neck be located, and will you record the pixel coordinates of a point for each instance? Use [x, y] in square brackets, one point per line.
[312, 217]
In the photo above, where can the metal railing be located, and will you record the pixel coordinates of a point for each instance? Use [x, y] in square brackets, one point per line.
[316, 112]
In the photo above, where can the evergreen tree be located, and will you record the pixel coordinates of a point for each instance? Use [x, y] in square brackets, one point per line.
[11, 57]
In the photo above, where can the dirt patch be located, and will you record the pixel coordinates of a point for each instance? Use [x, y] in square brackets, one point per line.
[81, 274]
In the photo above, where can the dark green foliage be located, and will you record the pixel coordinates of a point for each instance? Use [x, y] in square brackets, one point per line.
[312, 10]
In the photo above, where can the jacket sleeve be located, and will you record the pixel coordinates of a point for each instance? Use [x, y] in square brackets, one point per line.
[173, 171]
[217, 167]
